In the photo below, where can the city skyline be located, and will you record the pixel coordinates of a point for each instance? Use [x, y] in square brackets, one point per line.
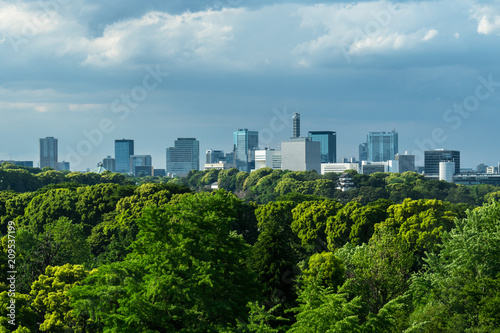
[165, 70]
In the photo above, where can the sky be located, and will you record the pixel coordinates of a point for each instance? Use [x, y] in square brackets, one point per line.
[89, 72]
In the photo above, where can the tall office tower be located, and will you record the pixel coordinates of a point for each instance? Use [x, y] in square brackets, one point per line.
[433, 157]
[382, 146]
[363, 152]
[109, 163]
[214, 156]
[48, 153]
[296, 125]
[123, 150]
[137, 161]
[301, 154]
[406, 162]
[245, 142]
[328, 145]
[184, 156]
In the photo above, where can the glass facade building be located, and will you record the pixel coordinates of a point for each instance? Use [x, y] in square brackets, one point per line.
[433, 157]
[137, 161]
[363, 152]
[184, 156]
[123, 150]
[214, 156]
[328, 145]
[48, 153]
[245, 142]
[382, 146]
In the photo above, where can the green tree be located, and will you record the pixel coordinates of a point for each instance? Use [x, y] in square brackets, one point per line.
[420, 223]
[378, 271]
[276, 254]
[51, 300]
[338, 227]
[365, 218]
[326, 269]
[460, 288]
[309, 222]
[185, 273]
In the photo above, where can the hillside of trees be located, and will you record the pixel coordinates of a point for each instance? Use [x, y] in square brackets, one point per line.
[269, 251]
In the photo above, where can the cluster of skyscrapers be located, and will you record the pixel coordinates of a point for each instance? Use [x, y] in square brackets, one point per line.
[316, 151]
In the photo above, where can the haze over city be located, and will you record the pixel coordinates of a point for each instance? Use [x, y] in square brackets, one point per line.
[428, 69]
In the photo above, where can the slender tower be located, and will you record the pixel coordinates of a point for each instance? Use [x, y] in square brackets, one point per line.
[296, 125]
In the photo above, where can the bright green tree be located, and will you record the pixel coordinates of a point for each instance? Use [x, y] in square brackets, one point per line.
[309, 222]
[185, 273]
[51, 300]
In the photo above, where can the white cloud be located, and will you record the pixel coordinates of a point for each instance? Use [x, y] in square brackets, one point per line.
[430, 35]
[41, 108]
[489, 25]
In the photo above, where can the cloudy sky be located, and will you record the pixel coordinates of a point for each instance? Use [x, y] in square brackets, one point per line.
[88, 72]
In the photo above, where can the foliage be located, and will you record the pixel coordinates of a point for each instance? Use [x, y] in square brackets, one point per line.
[461, 288]
[51, 300]
[309, 222]
[177, 276]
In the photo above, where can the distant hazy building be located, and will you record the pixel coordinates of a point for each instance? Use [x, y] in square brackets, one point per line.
[27, 164]
[367, 167]
[328, 145]
[143, 170]
[267, 158]
[363, 152]
[446, 171]
[48, 153]
[109, 163]
[230, 158]
[137, 162]
[159, 172]
[123, 150]
[406, 162]
[338, 167]
[301, 154]
[382, 146]
[214, 156]
[245, 142]
[433, 157]
[184, 156]
[481, 168]
[296, 125]
[62, 166]
[476, 179]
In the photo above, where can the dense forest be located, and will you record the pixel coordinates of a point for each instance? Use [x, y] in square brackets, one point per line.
[268, 251]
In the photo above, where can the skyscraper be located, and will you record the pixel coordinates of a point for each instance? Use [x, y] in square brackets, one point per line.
[245, 142]
[301, 154]
[48, 153]
[123, 150]
[433, 157]
[363, 152]
[296, 125]
[328, 145]
[184, 156]
[382, 146]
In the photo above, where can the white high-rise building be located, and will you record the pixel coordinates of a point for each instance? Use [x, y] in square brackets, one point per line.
[301, 154]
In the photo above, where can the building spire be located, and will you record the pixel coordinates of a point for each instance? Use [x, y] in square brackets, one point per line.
[296, 125]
